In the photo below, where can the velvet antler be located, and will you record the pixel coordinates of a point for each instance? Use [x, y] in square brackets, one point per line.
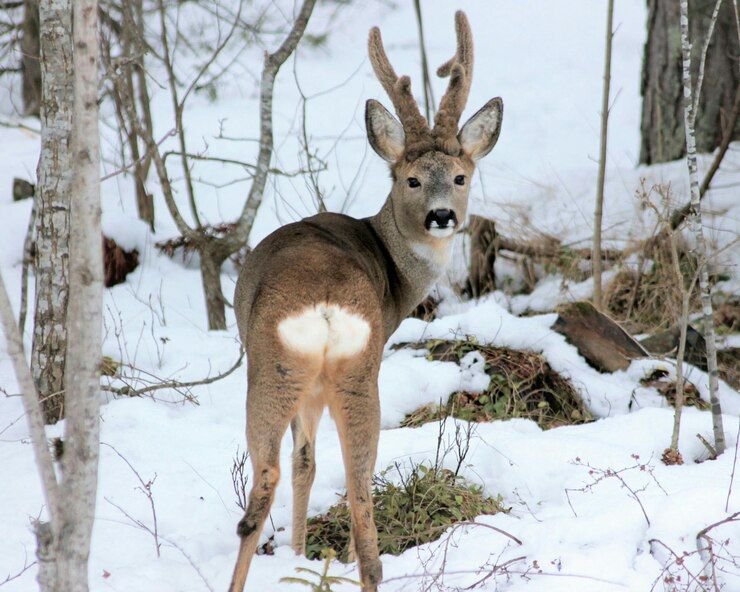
[415, 127]
[419, 137]
[460, 70]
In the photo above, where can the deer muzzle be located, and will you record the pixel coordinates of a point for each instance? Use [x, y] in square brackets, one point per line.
[441, 222]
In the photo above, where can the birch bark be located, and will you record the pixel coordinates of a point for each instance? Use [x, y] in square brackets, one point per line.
[52, 234]
[700, 248]
[85, 313]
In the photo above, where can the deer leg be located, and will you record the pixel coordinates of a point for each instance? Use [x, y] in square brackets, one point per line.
[304, 470]
[356, 411]
[268, 416]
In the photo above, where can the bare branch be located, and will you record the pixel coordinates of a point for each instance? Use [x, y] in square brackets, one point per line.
[31, 404]
[173, 384]
[273, 62]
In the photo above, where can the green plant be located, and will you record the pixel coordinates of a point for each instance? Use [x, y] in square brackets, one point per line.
[323, 581]
[413, 509]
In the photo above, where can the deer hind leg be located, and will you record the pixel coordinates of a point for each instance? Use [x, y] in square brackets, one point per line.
[356, 411]
[303, 427]
[269, 411]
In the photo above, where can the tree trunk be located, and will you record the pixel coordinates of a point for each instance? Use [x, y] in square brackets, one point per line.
[662, 127]
[52, 235]
[210, 271]
[132, 39]
[599, 209]
[85, 315]
[481, 276]
[30, 62]
[700, 249]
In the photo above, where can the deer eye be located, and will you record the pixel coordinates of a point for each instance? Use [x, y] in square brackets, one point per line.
[460, 180]
[413, 182]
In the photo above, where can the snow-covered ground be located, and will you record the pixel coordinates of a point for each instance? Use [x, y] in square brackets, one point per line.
[545, 61]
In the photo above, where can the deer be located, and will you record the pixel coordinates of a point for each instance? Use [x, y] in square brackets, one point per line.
[316, 300]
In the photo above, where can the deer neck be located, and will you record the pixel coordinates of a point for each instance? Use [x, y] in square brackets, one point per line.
[419, 264]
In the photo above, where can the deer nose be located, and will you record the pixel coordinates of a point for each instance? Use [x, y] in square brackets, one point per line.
[441, 218]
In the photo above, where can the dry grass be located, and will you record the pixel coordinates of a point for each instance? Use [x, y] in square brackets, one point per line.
[522, 385]
[649, 300]
[667, 388]
[728, 363]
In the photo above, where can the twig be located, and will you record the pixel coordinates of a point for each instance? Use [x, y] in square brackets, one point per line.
[678, 560]
[19, 573]
[704, 534]
[703, 58]
[602, 474]
[239, 478]
[173, 384]
[146, 489]
[734, 464]
[147, 155]
[27, 261]
[189, 559]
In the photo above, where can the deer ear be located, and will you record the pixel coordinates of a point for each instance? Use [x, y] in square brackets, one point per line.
[384, 131]
[480, 133]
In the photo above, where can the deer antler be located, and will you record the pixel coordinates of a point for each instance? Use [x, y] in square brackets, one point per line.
[460, 70]
[415, 127]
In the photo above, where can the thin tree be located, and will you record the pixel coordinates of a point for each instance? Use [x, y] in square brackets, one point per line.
[216, 246]
[30, 63]
[700, 248]
[598, 211]
[63, 543]
[427, 82]
[48, 355]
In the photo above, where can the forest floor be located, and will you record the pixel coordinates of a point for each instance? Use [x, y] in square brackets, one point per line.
[592, 505]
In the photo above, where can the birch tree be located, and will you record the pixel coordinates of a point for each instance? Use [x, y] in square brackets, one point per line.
[63, 542]
[700, 247]
[52, 194]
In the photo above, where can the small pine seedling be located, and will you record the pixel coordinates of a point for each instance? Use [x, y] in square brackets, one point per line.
[324, 581]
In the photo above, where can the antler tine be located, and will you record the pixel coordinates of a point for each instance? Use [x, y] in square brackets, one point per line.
[460, 70]
[399, 91]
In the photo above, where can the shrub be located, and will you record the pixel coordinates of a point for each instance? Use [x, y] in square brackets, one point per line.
[416, 509]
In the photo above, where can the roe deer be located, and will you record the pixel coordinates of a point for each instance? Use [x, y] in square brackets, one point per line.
[317, 300]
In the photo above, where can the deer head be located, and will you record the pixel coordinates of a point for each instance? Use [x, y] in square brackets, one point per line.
[431, 167]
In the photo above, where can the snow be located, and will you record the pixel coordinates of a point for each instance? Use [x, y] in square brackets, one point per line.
[546, 64]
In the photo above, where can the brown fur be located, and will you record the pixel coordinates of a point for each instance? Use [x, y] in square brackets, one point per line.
[376, 270]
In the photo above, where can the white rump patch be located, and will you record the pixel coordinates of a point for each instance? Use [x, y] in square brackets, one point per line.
[325, 329]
